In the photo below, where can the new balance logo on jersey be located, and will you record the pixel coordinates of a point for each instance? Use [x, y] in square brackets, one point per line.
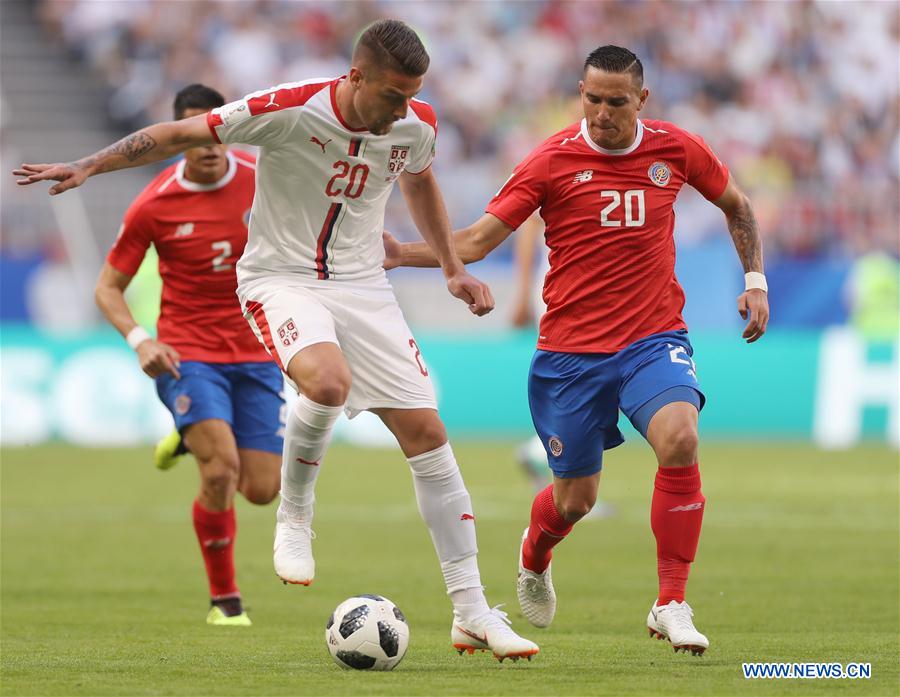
[184, 230]
[584, 176]
[272, 101]
[689, 507]
[221, 543]
[318, 142]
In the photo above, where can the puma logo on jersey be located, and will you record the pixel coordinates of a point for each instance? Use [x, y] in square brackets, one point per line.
[584, 176]
[467, 516]
[318, 142]
[184, 230]
[272, 101]
[689, 507]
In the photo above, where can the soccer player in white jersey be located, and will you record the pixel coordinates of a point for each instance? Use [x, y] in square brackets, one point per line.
[313, 288]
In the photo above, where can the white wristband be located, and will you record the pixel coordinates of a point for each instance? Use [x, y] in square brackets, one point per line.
[755, 279]
[136, 337]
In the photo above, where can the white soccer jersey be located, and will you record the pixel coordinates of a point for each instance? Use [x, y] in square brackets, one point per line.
[321, 186]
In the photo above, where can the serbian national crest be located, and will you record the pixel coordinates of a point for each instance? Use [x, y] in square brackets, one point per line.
[659, 173]
[397, 160]
[288, 333]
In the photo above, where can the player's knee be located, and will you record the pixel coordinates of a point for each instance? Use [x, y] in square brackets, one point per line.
[330, 389]
[430, 434]
[259, 493]
[219, 474]
[573, 511]
[577, 505]
[681, 446]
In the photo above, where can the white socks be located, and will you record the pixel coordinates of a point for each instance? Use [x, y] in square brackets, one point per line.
[306, 437]
[447, 510]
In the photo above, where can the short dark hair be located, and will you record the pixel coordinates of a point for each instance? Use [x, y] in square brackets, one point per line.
[196, 96]
[615, 59]
[393, 45]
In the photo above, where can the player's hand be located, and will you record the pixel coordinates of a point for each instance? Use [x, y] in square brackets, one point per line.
[470, 290]
[393, 251]
[753, 305]
[68, 175]
[157, 358]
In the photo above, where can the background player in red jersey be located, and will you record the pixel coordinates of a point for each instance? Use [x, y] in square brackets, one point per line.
[613, 336]
[531, 264]
[222, 388]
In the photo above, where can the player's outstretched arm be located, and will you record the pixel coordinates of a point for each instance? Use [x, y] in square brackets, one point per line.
[753, 303]
[152, 144]
[155, 357]
[472, 244]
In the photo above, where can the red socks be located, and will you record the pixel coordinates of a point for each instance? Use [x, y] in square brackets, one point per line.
[216, 532]
[546, 530]
[676, 515]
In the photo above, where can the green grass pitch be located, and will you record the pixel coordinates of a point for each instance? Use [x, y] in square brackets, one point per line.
[103, 591]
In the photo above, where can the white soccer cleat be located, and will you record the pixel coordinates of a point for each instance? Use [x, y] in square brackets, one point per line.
[673, 622]
[293, 557]
[537, 599]
[491, 632]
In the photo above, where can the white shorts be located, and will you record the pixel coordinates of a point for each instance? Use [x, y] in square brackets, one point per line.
[386, 366]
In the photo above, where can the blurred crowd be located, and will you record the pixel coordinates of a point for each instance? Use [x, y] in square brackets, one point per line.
[799, 98]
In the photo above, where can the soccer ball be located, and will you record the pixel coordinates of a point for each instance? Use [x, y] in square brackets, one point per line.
[367, 632]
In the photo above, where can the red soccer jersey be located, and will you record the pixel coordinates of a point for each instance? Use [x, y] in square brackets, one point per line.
[199, 231]
[609, 226]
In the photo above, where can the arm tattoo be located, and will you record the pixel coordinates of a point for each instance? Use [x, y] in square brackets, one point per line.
[745, 233]
[135, 145]
[130, 147]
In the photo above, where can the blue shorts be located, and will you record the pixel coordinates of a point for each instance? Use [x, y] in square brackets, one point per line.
[249, 396]
[575, 397]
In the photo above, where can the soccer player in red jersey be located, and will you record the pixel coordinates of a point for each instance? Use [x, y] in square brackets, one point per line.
[613, 336]
[223, 389]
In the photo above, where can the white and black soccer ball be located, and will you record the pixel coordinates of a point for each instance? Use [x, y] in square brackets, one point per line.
[367, 632]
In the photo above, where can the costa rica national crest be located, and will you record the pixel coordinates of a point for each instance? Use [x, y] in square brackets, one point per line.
[659, 173]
